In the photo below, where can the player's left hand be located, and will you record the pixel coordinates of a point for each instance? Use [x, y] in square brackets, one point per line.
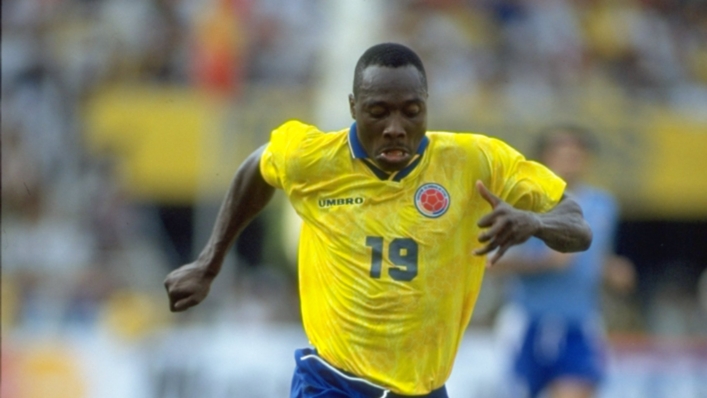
[505, 225]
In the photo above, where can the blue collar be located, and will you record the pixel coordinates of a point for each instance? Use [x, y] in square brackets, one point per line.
[357, 152]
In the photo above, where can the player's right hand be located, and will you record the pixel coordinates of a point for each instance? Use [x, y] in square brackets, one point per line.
[187, 286]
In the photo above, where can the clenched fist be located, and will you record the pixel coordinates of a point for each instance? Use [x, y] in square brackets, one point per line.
[187, 286]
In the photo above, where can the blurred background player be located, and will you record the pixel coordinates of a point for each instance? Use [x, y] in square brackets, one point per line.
[562, 352]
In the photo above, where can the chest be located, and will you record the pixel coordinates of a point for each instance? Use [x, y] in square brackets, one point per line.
[427, 207]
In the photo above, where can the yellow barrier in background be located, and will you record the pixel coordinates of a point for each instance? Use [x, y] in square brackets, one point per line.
[176, 145]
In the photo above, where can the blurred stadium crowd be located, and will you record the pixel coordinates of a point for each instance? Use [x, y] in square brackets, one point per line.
[79, 252]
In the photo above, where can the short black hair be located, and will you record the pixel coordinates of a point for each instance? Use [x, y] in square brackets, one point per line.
[547, 137]
[391, 55]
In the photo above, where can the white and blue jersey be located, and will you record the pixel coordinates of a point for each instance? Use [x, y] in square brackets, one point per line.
[562, 335]
[571, 294]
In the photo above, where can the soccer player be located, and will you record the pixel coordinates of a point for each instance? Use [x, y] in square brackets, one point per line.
[561, 348]
[397, 222]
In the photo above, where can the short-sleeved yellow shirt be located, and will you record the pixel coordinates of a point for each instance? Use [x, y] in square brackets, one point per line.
[388, 278]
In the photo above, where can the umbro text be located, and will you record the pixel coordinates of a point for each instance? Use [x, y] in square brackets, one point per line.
[340, 202]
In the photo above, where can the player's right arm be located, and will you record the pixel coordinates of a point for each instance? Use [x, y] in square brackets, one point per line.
[248, 194]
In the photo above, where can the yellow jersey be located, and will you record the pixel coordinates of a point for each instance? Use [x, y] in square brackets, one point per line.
[387, 275]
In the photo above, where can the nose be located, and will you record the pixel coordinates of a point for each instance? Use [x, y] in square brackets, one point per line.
[394, 129]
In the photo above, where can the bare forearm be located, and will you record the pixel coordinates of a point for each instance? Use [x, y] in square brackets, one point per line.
[245, 199]
[564, 228]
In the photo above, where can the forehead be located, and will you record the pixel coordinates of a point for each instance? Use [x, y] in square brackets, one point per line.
[563, 139]
[404, 81]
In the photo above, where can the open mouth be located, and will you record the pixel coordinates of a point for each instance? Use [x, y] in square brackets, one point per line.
[394, 155]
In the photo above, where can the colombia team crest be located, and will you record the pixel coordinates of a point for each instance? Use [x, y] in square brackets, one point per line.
[432, 200]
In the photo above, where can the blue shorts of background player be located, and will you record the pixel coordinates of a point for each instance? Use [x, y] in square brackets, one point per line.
[315, 378]
[554, 348]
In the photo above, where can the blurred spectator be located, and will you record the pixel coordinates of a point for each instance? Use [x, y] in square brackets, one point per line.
[220, 46]
[285, 41]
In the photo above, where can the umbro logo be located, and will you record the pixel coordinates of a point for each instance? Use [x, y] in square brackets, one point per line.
[331, 202]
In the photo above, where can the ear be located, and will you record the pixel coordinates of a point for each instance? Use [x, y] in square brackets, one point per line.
[352, 106]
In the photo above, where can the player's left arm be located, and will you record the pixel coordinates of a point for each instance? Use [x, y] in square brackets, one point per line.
[562, 228]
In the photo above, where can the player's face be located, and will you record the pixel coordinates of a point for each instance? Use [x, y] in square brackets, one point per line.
[391, 114]
[567, 158]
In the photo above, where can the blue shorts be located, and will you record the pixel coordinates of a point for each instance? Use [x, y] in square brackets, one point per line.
[315, 378]
[553, 349]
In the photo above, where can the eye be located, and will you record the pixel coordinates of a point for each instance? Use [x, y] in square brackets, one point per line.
[412, 110]
[377, 111]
